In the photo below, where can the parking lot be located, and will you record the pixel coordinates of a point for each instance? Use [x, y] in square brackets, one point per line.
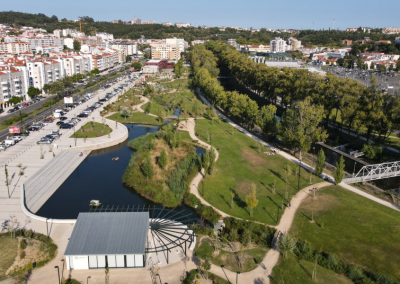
[389, 82]
[48, 118]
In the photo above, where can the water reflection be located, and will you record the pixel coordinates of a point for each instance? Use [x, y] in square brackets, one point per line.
[99, 178]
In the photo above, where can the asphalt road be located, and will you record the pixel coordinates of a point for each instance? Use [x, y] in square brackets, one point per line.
[43, 114]
[383, 80]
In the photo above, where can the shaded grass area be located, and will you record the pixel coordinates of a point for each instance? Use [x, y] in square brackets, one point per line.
[182, 98]
[136, 117]
[8, 252]
[88, 131]
[293, 270]
[239, 165]
[359, 231]
[193, 275]
[229, 258]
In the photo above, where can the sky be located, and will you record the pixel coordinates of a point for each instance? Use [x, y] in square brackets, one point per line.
[287, 14]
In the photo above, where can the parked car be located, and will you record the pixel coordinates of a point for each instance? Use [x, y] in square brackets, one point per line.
[50, 136]
[48, 120]
[60, 122]
[44, 141]
[11, 110]
[82, 115]
[66, 126]
[17, 138]
[33, 128]
[26, 104]
[63, 118]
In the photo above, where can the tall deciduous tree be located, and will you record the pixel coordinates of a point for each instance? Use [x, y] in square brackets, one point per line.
[338, 173]
[33, 92]
[251, 199]
[320, 162]
[286, 244]
[77, 45]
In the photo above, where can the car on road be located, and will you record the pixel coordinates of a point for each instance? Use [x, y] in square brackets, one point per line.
[9, 142]
[60, 122]
[17, 138]
[82, 115]
[11, 110]
[66, 126]
[44, 141]
[63, 118]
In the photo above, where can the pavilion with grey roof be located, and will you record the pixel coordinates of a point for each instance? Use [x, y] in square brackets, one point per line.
[108, 239]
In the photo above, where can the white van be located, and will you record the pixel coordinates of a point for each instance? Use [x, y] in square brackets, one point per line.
[58, 113]
[9, 142]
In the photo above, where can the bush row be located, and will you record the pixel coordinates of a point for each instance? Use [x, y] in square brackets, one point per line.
[330, 261]
[247, 231]
[207, 212]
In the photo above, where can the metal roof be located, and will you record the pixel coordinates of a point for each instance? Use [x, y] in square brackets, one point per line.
[109, 233]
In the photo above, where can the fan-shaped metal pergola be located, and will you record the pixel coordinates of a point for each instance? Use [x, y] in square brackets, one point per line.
[168, 228]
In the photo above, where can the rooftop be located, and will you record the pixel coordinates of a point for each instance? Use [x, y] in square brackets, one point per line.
[109, 233]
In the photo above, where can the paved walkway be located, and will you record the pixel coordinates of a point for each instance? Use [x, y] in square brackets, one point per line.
[27, 153]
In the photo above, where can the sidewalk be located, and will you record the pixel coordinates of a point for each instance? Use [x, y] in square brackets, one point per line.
[27, 152]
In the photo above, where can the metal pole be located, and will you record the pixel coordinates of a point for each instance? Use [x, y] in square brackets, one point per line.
[47, 227]
[237, 276]
[58, 269]
[354, 169]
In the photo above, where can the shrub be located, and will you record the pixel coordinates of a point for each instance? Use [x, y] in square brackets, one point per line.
[22, 254]
[22, 244]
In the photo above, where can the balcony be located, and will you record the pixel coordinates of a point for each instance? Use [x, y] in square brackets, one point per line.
[4, 88]
[4, 83]
[49, 71]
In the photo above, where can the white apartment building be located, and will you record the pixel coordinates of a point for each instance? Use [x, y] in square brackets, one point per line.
[182, 25]
[130, 47]
[168, 24]
[66, 32]
[232, 42]
[47, 49]
[105, 36]
[57, 33]
[12, 83]
[180, 42]
[165, 51]
[17, 47]
[277, 45]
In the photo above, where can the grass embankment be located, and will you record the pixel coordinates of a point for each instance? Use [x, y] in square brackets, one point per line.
[293, 270]
[8, 252]
[178, 95]
[166, 184]
[195, 274]
[136, 117]
[92, 129]
[230, 259]
[239, 165]
[357, 230]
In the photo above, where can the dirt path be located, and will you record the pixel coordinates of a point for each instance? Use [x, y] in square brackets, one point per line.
[262, 272]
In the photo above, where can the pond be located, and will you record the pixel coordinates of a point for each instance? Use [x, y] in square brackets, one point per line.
[100, 178]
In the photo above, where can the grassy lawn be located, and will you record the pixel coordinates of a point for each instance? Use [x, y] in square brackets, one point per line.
[239, 165]
[182, 98]
[300, 271]
[359, 231]
[136, 117]
[8, 252]
[229, 258]
[89, 132]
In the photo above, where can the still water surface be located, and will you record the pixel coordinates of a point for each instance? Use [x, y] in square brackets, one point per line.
[100, 178]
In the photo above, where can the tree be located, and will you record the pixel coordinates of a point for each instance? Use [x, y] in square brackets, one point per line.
[340, 61]
[178, 68]
[398, 66]
[148, 108]
[46, 88]
[147, 167]
[125, 112]
[232, 200]
[137, 65]
[33, 92]
[300, 128]
[251, 199]
[372, 66]
[77, 45]
[338, 173]
[163, 159]
[128, 58]
[286, 244]
[206, 265]
[320, 162]
[14, 100]
[95, 71]
[382, 68]
[391, 67]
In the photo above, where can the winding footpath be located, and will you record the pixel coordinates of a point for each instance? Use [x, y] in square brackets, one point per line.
[262, 273]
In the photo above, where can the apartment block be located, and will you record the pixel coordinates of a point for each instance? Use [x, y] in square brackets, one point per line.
[278, 45]
[165, 51]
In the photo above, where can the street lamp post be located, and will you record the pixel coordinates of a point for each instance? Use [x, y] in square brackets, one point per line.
[58, 269]
[354, 169]
[237, 276]
[87, 281]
